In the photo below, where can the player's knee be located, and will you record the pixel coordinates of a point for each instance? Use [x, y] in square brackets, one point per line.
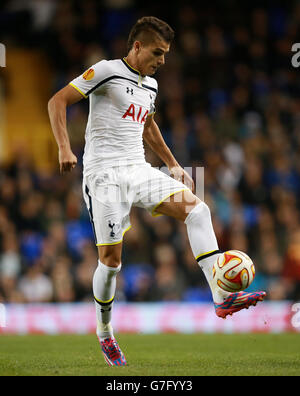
[196, 206]
[205, 209]
[110, 255]
[198, 213]
[111, 261]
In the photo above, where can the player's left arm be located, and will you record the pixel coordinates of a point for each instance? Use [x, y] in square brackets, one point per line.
[153, 137]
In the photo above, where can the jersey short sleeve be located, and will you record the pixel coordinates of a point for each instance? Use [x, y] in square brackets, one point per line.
[89, 81]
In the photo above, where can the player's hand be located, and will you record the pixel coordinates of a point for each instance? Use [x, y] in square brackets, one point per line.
[67, 160]
[178, 173]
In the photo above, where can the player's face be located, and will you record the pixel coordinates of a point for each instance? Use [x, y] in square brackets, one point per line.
[152, 56]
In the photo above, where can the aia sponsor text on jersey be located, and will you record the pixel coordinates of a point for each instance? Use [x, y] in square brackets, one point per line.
[136, 113]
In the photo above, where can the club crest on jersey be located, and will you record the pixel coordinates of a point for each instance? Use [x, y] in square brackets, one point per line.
[136, 113]
[88, 75]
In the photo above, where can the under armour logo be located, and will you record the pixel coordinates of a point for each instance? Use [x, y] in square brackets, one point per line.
[112, 234]
[130, 90]
[105, 310]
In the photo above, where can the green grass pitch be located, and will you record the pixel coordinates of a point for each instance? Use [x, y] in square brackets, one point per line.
[153, 355]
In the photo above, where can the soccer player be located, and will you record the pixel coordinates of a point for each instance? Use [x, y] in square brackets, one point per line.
[122, 95]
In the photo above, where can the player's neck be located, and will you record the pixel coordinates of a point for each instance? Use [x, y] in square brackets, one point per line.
[132, 62]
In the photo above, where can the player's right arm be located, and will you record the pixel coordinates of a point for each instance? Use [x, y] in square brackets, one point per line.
[57, 109]
[81, 87]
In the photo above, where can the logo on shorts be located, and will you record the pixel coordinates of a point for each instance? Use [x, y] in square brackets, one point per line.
[112, 226]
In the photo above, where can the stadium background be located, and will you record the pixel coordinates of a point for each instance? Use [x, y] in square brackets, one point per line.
[228, 101]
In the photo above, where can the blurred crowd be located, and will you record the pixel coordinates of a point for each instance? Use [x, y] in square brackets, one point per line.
[229, 101]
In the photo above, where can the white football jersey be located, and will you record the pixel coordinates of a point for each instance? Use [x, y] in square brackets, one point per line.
[120, 101]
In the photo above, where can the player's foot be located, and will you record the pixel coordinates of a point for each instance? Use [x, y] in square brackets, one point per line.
[112, 352]
[237, 301]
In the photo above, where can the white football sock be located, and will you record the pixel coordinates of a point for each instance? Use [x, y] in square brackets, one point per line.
[204, 245]
[104, 287]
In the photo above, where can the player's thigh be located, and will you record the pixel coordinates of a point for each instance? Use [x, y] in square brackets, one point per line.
[109, 215]
[153, 187]
[110, 255]
[178, 205]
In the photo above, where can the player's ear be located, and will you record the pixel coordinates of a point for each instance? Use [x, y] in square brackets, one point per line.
[137, 45]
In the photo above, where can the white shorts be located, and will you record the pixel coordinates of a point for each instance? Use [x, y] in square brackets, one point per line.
[110, 194]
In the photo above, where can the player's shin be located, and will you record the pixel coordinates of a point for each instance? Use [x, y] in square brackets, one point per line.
[204, 245]
[104, 287]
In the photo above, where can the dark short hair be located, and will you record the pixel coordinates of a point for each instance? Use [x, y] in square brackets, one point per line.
[148, 28]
